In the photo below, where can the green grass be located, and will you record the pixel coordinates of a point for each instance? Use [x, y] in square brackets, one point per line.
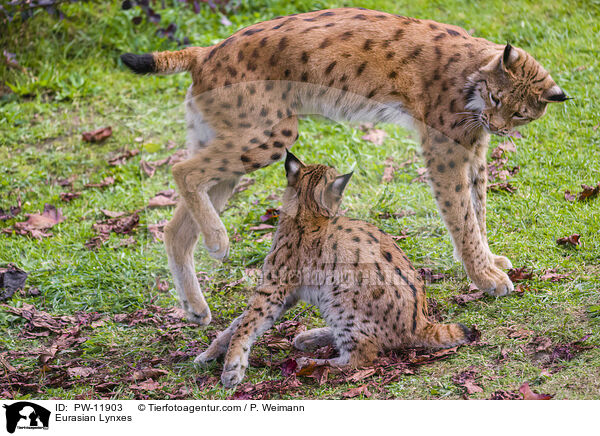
[75, 83]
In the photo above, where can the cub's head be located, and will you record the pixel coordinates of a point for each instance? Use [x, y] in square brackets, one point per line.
[313, 189]
[511, 90]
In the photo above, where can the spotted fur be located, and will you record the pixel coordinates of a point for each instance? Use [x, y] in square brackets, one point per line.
[363, 284]
[347, 64]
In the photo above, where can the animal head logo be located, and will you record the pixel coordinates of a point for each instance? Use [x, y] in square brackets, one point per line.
[24, 414]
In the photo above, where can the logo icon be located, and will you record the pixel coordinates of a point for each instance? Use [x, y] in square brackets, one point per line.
[26, 415]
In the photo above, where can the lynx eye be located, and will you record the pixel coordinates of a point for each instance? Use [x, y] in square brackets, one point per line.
[494, 100]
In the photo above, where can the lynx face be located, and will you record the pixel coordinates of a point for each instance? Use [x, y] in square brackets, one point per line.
[512, 90]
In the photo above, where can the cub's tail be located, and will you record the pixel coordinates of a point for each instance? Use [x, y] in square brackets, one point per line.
[164, 62]
[447, 335]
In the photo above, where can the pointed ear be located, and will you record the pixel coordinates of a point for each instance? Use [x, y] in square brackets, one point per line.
[339, 184]
[554, 95]
[509, 57]
[292, 167]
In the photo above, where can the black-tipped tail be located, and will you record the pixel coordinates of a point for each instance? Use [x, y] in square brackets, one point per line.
[471, 334]
[139, 64]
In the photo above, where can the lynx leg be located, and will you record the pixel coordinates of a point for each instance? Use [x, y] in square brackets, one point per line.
[451, 187]
[219, 345]
[264, 309]
[478, 196]
[181, 235]
[313, 339]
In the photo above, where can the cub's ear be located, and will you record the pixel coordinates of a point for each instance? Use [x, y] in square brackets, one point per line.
[554, 95]
[339, 184]
[292, 167]
[509, 57]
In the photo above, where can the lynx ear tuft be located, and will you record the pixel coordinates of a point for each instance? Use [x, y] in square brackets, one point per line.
[509, 57]
[293, 165]
[554, 95]
[339, 184]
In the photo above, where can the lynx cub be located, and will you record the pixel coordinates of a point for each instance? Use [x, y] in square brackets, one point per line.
[366, 289]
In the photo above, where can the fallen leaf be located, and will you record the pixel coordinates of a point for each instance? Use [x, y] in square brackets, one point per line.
[376, 136]
[388, 170]
[11, 212]
[147, 168]
[261, 227]
[36, 223]
[112, 214]
[80, 371]
[361, 375]
[505, 395]
[520, 333]
[466, 298]
[120, 159]
[107, 181]
[162, 285]
[157, 230]
[69, 196]
[423, 176]
[66, 182]
[588, 192]
[569, 196]
[163, 199]
[519, 274]
[270, 215]
[528, 394]
[539, 344]
[355, 392]
[466, 379]
[429, 276]
[569, 241]
[147, 385]
[225, 21]
[11, 279]
[148, 373]
[502, 186]
[97, 135]
[288, 367]
[552, 276]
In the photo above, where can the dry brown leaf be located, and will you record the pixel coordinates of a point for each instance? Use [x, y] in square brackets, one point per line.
[112, 214]
[569, 241]
[120, 159]
[97, 135]
[107, 181]
[376, 136]
[528, 394]
[69, 196]
[80, 371]
[388, 170]
[261, 227]
[148, 373]
[162, 200]
[148, 168]
[355, 392]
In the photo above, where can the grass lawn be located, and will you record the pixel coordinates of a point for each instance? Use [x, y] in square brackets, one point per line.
[128, 343]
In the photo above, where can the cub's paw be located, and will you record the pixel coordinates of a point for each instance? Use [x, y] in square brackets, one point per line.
[493, 281]
[501, 262]
[216, 243]
[203, 359]
[234, 369]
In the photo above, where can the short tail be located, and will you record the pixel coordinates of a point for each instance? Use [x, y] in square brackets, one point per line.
[447, 335]
[164, 62]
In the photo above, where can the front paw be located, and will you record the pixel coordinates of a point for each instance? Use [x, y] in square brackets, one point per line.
[493, 281]
[203, 359]
[232, 378]
[217, 243]
[234, 370]
[501, 262]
